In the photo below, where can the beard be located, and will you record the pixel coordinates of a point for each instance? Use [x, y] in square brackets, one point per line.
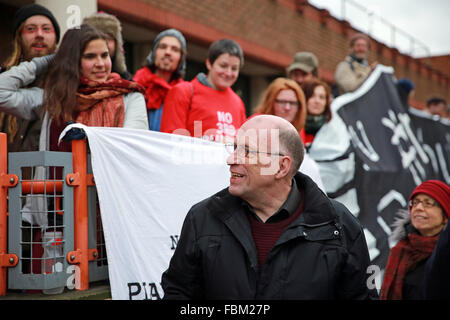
[166, 67]
[30, 53]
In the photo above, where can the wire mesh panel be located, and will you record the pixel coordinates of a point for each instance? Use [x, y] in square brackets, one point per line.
[98, 269]
[40, 223]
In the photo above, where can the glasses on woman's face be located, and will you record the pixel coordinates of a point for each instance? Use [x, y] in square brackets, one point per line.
[282, 103]
[426, 203]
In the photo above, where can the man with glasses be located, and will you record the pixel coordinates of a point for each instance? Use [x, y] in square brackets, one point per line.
[272, 234]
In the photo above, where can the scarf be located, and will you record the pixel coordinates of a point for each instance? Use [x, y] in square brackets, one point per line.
[361, 61]
[101, 104]
[314, 123]
[156, 88]
[402, 259]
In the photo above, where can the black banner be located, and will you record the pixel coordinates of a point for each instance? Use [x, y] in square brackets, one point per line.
[392, 149]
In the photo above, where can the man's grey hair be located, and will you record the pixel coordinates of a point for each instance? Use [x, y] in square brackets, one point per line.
[291, 145]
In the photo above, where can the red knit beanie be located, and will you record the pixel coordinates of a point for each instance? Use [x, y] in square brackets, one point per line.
[436, 189]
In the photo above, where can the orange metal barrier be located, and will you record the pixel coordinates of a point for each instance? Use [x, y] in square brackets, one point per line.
[41, 186]
[80, 180]
[6, 260]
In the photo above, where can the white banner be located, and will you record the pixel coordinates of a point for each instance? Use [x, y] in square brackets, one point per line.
[146, 183]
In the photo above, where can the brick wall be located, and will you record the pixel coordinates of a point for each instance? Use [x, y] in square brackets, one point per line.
[271, 31]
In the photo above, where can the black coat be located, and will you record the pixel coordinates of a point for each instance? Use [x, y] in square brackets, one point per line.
[436, 283]
[321, 255]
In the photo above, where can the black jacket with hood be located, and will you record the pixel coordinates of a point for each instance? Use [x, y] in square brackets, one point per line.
[321, 255]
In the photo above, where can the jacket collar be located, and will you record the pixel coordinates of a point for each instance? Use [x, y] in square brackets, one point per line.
[317, 210]
[228, 209]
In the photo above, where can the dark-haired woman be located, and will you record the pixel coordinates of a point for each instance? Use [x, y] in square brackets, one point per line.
[78, 87]
[318, 111]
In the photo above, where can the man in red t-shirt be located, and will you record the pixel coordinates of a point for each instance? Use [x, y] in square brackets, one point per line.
[165, 67]
[207, 107]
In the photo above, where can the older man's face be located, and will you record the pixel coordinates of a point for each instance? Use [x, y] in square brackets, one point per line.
[38, 37]
[255, 160]
[360, 48]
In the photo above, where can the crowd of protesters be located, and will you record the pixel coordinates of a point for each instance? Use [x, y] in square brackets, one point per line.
[43, 88]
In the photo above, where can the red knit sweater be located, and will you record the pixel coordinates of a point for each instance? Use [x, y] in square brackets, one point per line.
[266, 234]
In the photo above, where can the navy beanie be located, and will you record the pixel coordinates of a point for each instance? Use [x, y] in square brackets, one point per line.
[34, 10]
[406, 84]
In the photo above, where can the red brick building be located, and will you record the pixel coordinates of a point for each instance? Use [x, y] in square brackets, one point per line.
[269, 31]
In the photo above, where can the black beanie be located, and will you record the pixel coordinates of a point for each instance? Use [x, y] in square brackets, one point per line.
[34, 10]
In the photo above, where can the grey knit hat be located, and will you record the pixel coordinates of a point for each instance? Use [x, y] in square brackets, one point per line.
[111, 26]
[170, 33]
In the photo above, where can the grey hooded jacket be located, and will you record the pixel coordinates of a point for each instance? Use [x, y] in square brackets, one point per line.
[26, 103]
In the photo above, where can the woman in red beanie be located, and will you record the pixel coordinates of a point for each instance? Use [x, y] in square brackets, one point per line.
[417, 232]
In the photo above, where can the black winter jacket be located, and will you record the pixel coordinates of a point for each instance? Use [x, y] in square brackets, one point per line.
[321, 255]
[436, 282]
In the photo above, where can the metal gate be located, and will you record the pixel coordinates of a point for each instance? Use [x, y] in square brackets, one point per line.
[55, 238]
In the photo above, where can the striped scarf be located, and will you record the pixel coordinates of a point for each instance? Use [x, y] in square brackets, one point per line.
[101, 104]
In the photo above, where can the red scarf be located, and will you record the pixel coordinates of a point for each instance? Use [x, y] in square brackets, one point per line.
[156, 88]
[100, 104]
[403, 258]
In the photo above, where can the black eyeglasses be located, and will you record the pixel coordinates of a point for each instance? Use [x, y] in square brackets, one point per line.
[425, 203]
[285, 102]
[232, 147]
